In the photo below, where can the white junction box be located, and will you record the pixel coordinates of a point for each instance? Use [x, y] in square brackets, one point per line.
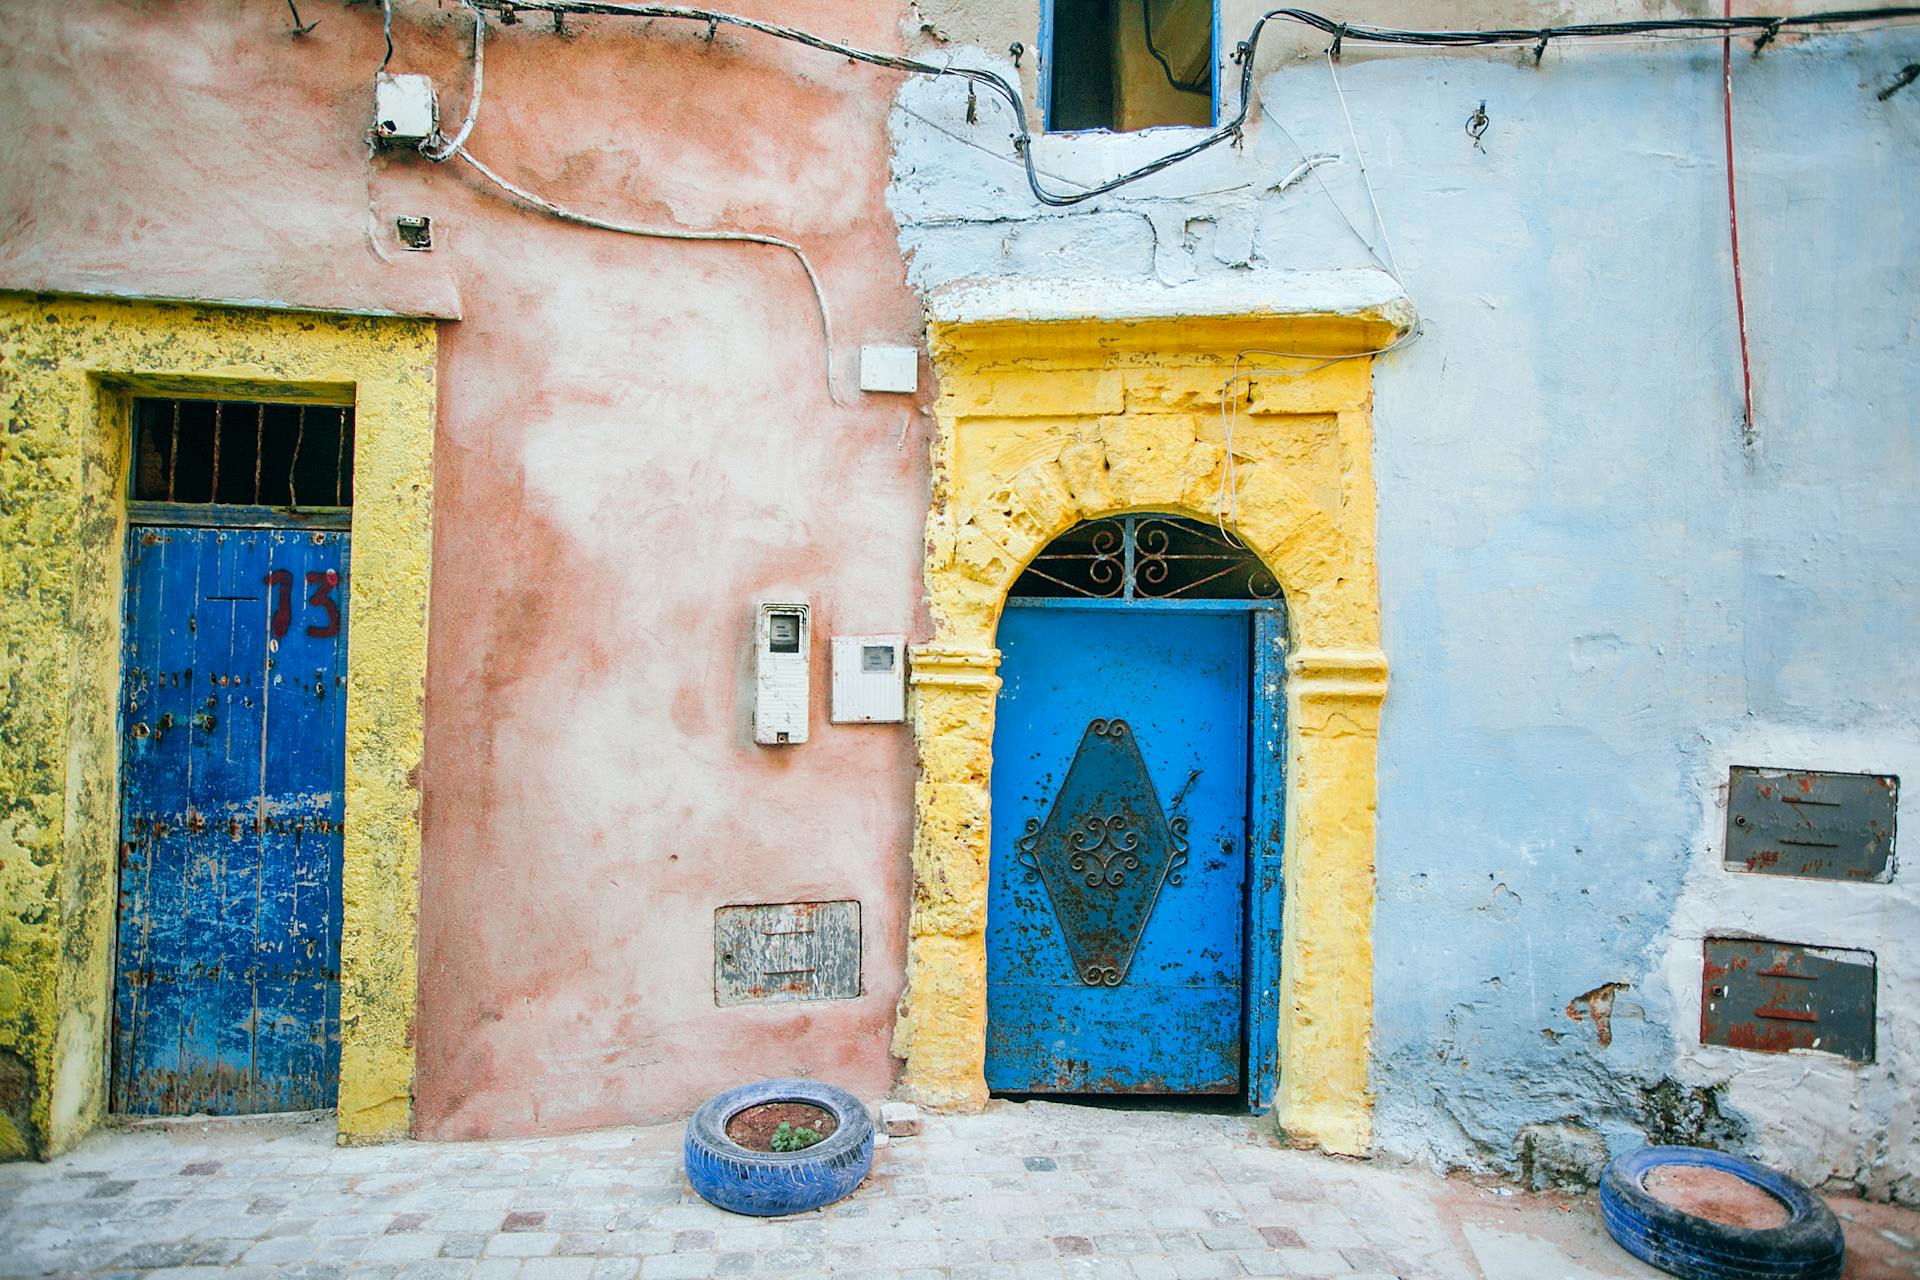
[869, 679]
[405, 110]
[889, 369]
[781, 646]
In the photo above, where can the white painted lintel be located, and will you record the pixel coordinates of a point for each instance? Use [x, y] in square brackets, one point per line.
[1361, 293]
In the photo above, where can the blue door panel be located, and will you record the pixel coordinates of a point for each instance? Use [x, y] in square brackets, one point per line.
[227, 981]
[1168, 1017]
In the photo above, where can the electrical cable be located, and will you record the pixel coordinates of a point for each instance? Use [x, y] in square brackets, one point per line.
[438, 147]
[386, 27]
[1393, 263]
[1227, 505]
[1244, 54]
[1733, 234]
[1202, 88]
[674, 233]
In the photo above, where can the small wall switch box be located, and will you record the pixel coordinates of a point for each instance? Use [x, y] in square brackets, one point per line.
[405, 111]
[869, 679]
[889, 369]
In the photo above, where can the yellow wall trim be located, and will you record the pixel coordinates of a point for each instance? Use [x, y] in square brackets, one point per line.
[68, 368]
[1045, 424]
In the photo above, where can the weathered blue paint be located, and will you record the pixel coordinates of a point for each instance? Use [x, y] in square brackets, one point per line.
[1180, 681]
[227, 995]
[1266, 853]
[1043, 70]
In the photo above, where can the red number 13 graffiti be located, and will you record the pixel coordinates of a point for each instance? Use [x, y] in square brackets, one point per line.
[320, 597]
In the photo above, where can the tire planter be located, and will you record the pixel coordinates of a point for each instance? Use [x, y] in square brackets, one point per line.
[768, 1184]
[1807, 1246]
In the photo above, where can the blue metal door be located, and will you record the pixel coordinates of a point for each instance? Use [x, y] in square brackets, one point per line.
[1115, 908]
[227, 994]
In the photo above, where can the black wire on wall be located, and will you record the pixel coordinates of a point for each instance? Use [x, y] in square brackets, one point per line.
[1243, 54]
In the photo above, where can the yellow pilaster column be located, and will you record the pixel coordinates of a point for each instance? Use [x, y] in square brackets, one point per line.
[1326, 969]
[942, 1025]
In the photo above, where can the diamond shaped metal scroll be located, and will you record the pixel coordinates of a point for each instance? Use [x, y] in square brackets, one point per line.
[1104, 852]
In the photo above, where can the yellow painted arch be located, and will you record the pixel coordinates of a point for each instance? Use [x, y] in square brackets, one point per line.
[1046, 423]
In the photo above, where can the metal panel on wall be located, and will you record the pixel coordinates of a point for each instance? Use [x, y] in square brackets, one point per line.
[1822, 826]
[1776, 997]
[786, 951]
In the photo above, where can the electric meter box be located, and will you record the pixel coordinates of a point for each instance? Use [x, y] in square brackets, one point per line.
[405, 110]
[782, 643]
[869, 679]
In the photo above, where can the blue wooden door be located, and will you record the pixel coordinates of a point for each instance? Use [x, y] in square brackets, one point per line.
[227, 994]
[1114, 915]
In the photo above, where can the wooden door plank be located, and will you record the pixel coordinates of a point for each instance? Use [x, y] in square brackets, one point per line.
[227, 990]
[1172, 1022]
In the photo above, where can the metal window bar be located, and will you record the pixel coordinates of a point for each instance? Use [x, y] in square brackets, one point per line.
[173, 451]
[293, 464]
[181, 447]
[213, 488]
[1147, 557]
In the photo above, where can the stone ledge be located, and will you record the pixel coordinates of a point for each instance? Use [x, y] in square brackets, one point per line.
[1363, 294]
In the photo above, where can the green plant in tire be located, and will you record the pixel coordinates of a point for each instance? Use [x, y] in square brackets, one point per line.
[787, 1138]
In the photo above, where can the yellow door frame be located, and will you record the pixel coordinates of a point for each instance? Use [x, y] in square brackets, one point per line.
[1046, 422]
[69, 368]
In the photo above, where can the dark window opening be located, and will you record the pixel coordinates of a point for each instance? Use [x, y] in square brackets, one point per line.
[242, 453]
[1146, 557]
[1130, 64]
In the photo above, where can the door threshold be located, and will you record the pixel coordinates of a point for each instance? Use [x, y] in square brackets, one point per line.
[1205, 1104]
[283, 1121]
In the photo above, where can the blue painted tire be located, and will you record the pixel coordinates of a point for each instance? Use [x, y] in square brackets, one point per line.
[768, 1184]
[1808, 1246]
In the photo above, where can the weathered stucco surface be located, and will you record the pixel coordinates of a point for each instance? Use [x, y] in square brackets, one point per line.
[67, 367]
[1594, 595]
[634, 445]
[1045, 423]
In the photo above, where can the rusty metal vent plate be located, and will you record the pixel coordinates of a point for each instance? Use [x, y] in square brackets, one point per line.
[1776, 997]
[786, 951]
[1821, 826]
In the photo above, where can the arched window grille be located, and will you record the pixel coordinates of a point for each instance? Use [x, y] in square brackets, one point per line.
[1146, 557]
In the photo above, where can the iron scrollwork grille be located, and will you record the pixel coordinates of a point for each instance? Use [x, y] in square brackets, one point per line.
[1146, 557]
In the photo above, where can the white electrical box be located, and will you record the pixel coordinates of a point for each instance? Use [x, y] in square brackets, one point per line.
[889, 369]
[405, 110]
[781, 645]
[869, 679]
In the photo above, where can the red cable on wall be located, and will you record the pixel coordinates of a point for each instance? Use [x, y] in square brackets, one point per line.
[1733, 230]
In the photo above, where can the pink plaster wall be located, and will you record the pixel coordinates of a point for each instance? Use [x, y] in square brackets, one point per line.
[634, 445]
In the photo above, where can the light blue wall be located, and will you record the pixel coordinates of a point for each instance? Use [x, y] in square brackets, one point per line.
[1596, 596]
[1589, 584]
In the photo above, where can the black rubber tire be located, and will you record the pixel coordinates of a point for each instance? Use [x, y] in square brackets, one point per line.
[769, 1184]
[1808, 1246]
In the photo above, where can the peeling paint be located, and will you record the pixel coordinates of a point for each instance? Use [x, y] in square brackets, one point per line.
[68, 366]
[1598, 1005]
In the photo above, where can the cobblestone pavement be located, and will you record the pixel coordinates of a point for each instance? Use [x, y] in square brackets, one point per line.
[1023, 1192]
